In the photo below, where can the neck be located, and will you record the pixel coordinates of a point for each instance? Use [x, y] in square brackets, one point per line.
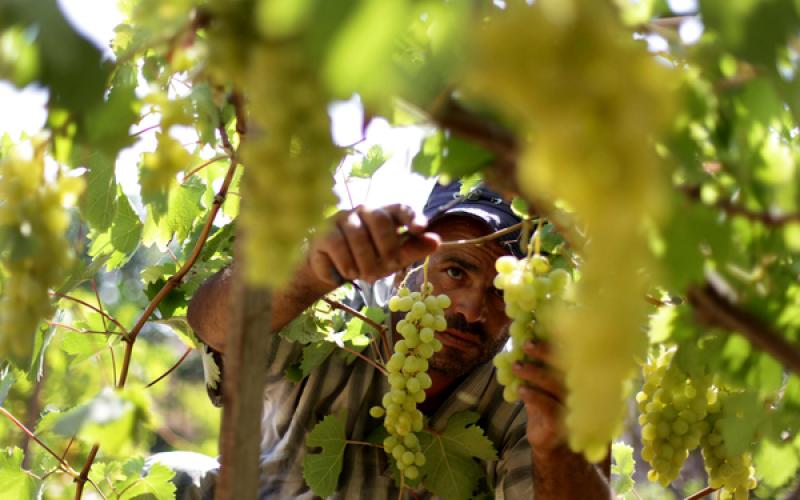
[440, 388]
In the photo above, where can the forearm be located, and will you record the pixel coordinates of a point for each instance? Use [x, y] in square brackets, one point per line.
[563, 475]
[209, 309]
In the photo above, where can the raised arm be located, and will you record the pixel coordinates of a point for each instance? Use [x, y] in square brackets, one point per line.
[363, 244]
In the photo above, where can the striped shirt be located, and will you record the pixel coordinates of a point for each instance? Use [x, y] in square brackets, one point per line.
[291, 410]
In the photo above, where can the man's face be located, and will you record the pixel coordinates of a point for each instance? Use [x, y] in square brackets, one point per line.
[477, 326]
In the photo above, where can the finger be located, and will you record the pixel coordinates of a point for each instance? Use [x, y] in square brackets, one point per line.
[540, 377]
[338, 252]
[418, 247]
[360, 244]
[323, 267]
[383, 232]
[403, 215]
[537, 350]
[544, 418]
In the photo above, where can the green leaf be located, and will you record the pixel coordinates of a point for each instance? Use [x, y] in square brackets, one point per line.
[99, 203]
[370, 163]
[14, 481]
[470, 182]
[180, 326]
[314, 355]
[520, 207]
[450, 470]
[360, 57]
[449, 156]
[83, 345]
[321, 470]
[776, 463]
[622, 468]
[157, 483]
[741, 419]
[106, 126]
[122, 239]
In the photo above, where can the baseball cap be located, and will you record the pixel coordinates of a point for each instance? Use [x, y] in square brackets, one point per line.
[480, 203]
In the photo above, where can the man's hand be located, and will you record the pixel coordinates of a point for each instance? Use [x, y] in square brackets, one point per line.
[558, 472]
[543, 396]
[364, 244]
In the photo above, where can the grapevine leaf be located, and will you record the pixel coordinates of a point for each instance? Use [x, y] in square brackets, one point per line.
[740, 421]
[122, 239]
[449, 156]
[41, 342]
[370, 163]
[180, 326]
[184, 207]
[106, 126]
[83, 345]
[450, 470]
[776, 464]
[520, 207]
[157, 483]
[99, 203]
[65, 56]
[321, 470]
[358, 332]
[208, 115]
[470, 182]
[622, 468]
[314, 355]
[6, 381]
[156, 272]
[15, 482]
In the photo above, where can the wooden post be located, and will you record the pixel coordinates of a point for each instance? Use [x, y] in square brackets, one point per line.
[243, 393]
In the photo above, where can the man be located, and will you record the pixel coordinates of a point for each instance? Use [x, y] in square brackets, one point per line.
[365, 245]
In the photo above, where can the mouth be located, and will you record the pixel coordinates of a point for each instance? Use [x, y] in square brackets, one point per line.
[459, 340]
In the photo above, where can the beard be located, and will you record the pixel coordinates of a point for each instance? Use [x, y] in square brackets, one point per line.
[455, 362]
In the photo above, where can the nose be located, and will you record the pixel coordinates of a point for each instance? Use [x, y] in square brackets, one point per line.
[470, 303]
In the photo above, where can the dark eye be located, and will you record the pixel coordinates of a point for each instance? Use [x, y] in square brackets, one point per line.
[455, 273]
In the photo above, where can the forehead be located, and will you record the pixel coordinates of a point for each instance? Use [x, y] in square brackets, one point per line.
[459, 227]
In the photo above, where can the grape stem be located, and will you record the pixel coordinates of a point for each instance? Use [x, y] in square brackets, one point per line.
[203, 165]
[173, 281]
[90, 306]
[63, 465]
[349, 310]
[369, 361]
[482, 239]
[702, 493]
[171, 368]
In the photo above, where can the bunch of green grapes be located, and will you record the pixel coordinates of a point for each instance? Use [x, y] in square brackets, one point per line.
[732, 473]
[590, 148]
[288, 155]
[408, 377]
[673, 407]
[35, 252]
[527, 284]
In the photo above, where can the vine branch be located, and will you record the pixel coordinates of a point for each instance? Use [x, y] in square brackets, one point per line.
[90, 306]
[171, 368]
[62, 463]
[483, 239]
[84, 475]
[712, 307]
[730, 208]
[702, 493]
[173, 281]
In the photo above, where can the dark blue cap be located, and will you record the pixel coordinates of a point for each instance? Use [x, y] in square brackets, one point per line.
[480, 203]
